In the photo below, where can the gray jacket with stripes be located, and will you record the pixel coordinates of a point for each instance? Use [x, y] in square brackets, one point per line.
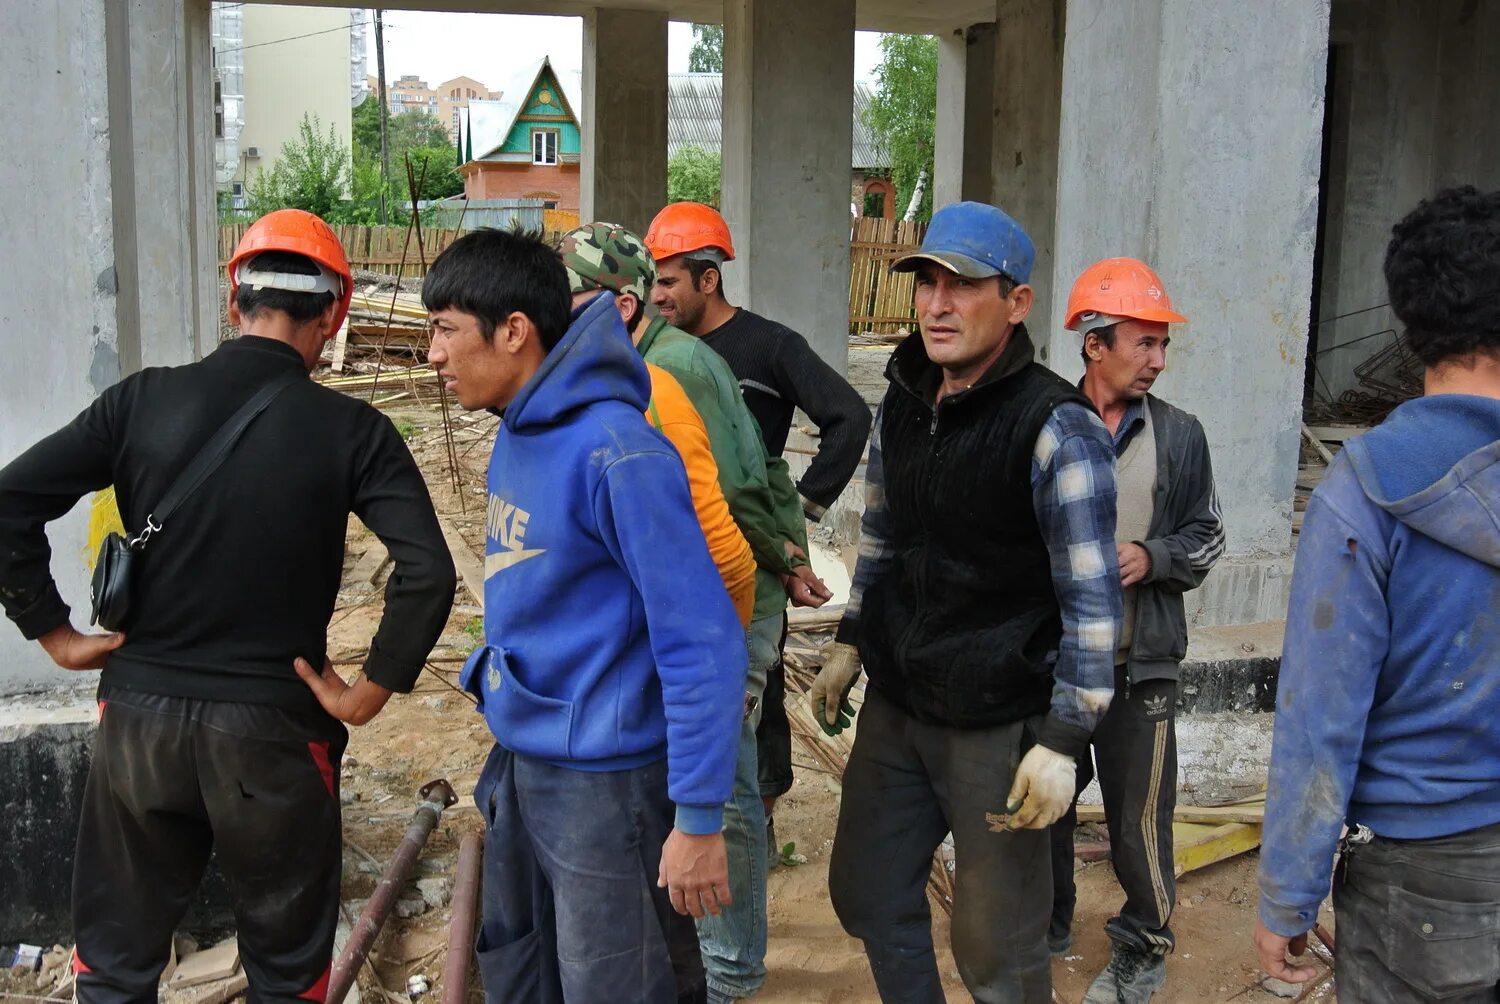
[1185, 539]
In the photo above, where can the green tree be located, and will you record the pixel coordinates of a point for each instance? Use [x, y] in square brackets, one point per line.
[422, 136]
[693, 176]
[707, 53]
[902, 115]
[312, 173]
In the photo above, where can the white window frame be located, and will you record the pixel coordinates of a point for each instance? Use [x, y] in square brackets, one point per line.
[540, 141]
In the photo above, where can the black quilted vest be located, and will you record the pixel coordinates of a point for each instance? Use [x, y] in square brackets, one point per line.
[962, 629]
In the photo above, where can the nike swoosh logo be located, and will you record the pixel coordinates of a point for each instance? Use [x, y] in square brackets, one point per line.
[501, 560]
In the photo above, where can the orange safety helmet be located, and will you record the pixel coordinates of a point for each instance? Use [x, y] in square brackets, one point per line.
[299, 232]
[1119, 288]
[688, 226]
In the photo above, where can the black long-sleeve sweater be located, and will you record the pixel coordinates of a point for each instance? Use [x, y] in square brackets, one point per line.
[778, 373]
[245, 576]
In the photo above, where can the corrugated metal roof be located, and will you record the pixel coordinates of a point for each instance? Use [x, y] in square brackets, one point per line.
[695, 104]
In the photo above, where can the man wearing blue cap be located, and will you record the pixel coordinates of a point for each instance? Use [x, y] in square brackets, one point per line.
[986, 608]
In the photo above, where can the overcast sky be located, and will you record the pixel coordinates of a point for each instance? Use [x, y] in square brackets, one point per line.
[490, 47]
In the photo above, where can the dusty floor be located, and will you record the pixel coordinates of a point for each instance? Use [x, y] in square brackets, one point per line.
[435, 733]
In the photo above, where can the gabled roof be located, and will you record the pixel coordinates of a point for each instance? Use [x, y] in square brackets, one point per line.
[695, 104]
[490, 122]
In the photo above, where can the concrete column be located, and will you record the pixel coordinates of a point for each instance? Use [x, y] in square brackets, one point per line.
[965, 134]
[948, 129]
[624, 116]
[1027, 110]
[1153, 164]
[788, 100]
[160, 73]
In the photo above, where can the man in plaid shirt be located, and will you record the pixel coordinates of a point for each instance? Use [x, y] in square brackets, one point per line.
[986, 609]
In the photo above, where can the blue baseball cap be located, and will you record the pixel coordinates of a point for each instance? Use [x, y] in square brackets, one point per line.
[976, 241]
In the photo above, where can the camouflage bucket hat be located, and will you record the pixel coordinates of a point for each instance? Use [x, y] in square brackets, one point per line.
[607, 256]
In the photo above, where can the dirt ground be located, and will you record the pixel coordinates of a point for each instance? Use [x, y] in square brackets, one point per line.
[435, 733]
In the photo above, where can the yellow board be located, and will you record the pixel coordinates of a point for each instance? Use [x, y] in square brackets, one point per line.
[104, 519]
[1198, 845]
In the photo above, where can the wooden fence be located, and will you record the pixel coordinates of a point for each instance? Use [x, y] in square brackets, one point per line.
[880, 302]
[376, 249]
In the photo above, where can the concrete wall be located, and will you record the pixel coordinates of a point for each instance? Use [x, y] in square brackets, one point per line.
[293, 76]
[1412, 112]
[111, 186]
[1201, 155]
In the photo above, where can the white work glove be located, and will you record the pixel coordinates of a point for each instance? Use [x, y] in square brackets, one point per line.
[1045, 784]
[829, 695]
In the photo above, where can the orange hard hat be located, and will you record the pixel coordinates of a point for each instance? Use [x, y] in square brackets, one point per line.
[299, 232]
[1121, 288]
[688, 226]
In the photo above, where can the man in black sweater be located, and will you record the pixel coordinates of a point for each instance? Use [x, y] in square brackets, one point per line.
[208, 740]
[778, 373]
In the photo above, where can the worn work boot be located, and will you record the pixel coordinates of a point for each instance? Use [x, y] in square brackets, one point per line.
[1131, 977]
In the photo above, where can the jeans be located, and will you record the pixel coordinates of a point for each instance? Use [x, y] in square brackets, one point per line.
[908, 785]
[571, 910]
[734, 942]
[1419, 920]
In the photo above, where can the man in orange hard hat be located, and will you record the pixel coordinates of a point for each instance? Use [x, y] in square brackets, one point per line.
[1168, 535]
[208, 740]
[778, 372]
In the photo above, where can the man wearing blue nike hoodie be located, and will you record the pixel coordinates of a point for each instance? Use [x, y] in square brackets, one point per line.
[1388, 711]
[613, 663]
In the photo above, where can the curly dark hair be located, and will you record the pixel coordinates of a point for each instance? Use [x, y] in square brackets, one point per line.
[1442, 268]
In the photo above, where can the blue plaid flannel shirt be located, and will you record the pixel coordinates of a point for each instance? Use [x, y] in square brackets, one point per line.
[1073, 494]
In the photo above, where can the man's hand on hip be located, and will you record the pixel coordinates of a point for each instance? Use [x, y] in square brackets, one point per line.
[351, 705]
[1135, 563]
[695, 873]
[75, 650]
[1045, 785]
[1273, 950]
[829, 695]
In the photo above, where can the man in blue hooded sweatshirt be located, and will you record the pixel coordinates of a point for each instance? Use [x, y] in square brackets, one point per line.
[613, 666]
[1388, 711]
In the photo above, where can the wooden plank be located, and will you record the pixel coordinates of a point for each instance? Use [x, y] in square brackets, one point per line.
[1217, 815]
[470, 565]
[340, 344]
[1337, 433]
[1317, 445]
[1197, 845]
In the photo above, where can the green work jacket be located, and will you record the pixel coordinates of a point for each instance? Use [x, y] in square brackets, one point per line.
[758, 489]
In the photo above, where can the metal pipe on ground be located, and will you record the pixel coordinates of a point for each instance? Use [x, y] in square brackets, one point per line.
[432, 799]
[465, 912]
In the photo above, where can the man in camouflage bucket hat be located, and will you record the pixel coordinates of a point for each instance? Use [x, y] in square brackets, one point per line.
[765, 505]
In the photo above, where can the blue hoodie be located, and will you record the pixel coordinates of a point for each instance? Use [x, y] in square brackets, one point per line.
[1388, 709]
[610, 641]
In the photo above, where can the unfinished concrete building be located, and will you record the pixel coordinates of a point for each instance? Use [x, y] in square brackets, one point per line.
[1256, 154]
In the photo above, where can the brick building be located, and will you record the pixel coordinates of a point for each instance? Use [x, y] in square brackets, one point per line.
[526, 145]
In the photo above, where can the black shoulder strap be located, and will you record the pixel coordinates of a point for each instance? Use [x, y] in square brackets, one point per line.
[213, 453]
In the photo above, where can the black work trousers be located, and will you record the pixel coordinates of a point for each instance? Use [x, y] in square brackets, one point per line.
[174, 779]
[1135, 747]
[773, 734]
[906, 787]
[1419, 920]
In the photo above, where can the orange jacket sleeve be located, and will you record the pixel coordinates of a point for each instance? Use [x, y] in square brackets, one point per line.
[673, 414]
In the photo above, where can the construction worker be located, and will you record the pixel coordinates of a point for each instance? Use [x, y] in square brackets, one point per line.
[778, 372]
[1385, 711]
[1168, 534]
[613, 664]
[208, 740]
[986, 608]
[606, 256]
